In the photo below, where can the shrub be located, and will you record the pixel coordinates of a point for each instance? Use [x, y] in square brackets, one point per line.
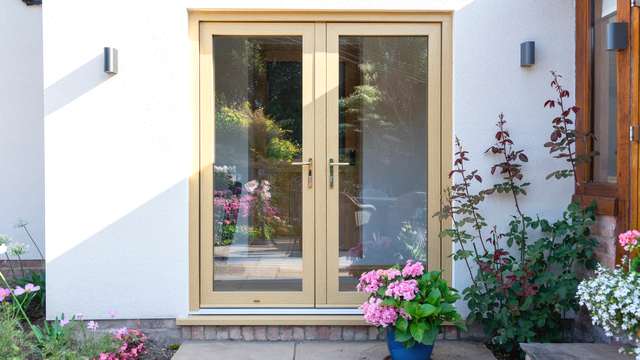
[14, 342]
[525, 279]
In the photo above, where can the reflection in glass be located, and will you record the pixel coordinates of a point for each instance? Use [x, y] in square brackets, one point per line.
[604, 95]
[258, 132]
[382, 129]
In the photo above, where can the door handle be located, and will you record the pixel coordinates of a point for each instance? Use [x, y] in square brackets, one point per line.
[308, 163]
[332, 164]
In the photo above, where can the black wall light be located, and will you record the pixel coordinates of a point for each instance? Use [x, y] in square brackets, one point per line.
[111, 60]
[528, 53]
[617, 33]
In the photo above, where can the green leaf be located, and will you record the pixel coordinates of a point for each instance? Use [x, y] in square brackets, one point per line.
[417, 330]
[402, 336]
[402, 324]
[427, 310]
[434, 297]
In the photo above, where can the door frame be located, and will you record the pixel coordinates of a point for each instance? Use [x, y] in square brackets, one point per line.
[198, 16]
[334, 297]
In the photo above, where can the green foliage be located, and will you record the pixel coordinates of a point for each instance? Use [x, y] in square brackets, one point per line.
[269, 141]
[432, 306]
[15, 344]
[521, 297]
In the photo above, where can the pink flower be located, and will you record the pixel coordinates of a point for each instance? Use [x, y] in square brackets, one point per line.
[31, 288]
[629, 239]
[251, 186]
[92, 325]
[63, 322]
[18, 291]
[403, 289]
[370, 281]
[377, 314]
[392, 273]
[120, 333]
[4, 293]
[413, 269]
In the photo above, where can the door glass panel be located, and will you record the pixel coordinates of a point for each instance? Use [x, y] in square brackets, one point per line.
[382, 135]
[604, 98]
[258, 193]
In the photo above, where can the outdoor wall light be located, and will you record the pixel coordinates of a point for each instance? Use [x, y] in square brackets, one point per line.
[110, 60]
[528, 53]
[617, 36]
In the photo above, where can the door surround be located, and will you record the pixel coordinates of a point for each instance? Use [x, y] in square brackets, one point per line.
[443, 19]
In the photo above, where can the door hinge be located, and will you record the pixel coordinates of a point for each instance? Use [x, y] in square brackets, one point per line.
[634, 135]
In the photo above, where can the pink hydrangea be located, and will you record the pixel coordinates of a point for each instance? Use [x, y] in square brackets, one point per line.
[370, 282]
[392, 273]
[377, 314]
[413, 269]
[403, 289]
[629, 239]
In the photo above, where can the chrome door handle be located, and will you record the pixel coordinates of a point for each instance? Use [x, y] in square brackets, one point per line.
[309, 172]
[331, 166]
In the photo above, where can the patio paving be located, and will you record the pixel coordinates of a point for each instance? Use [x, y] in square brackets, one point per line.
[319, 350]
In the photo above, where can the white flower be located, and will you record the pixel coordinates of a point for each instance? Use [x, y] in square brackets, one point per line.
[17, 249]
[3, 249]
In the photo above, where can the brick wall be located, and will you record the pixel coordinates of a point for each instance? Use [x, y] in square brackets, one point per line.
[604, 231]
[165, 331]
[28, 265]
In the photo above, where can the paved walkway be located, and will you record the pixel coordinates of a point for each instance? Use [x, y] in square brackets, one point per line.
[319, 350]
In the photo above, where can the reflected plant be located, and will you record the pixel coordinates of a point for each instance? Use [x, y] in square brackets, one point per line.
[251, 201]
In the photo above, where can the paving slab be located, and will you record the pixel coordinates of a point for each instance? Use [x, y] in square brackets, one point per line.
[235, 350]
[343, 350]
[574, 351]
[319, 350]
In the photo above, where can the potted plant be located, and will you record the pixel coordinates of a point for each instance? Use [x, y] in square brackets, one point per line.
[612, 297]
[411, 305]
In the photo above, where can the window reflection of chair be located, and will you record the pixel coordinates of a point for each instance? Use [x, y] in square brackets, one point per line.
[353, 216]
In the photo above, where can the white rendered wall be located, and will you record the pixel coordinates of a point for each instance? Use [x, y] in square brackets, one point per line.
[21, 125]
[118, 150]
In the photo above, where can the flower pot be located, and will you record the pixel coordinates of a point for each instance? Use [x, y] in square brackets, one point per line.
[399, 352]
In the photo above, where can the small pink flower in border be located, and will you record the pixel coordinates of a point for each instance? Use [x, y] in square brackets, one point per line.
[64, 322]
[4, 293]
[31, 288]
[629, 239]
[18, 291]
[120, 333]
[92, 325]
[414, 269]
[392, 273]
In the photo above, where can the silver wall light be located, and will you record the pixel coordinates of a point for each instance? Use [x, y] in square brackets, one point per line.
[528, 53]
[617, 36]
[110, 60]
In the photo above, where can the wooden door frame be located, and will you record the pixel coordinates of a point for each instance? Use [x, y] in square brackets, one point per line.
[197, 16]
[619, 200]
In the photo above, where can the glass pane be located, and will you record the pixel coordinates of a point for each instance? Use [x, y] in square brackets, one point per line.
[258, 194]
[604, 95]
[383, 131]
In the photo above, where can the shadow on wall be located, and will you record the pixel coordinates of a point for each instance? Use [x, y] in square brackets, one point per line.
[136, 267]
[75, 84]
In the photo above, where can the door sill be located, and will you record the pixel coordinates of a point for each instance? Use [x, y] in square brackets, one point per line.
[281, 319]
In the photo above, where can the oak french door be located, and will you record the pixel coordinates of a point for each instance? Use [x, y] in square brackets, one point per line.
[320, 158]
[257, 170]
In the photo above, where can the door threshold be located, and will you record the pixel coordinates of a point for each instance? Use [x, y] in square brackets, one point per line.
[277, 311]
[264, 319]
